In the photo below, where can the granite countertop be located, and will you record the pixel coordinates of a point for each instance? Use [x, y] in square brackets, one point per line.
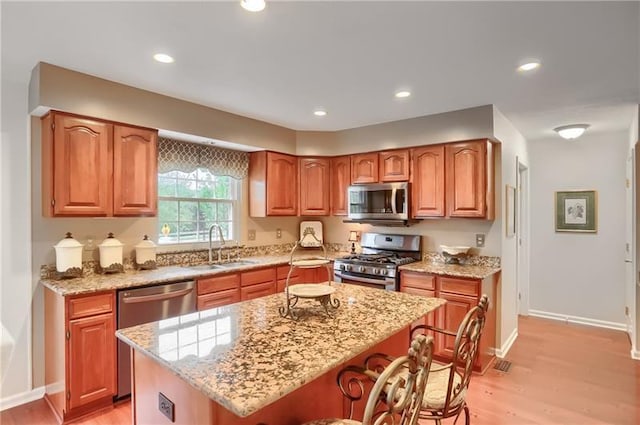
[455, 270]
[245, 356]
[133, 278]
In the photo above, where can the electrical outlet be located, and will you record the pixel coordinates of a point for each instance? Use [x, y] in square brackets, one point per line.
[252, 235]
[626, 311]
[91, 243]
[278, 233]
[166, 407]
[479, 240]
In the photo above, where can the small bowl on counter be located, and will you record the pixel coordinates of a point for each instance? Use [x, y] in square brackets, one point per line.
[455, 254]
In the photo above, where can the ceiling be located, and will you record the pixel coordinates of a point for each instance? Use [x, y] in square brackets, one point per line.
[350, 57]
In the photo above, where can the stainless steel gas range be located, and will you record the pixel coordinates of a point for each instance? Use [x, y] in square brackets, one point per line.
[377, 265]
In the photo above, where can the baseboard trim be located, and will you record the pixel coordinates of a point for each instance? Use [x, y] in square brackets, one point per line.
[501, 352]
[579, 320]
[22, 398]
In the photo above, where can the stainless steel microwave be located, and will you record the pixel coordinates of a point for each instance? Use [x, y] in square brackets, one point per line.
[384, 201]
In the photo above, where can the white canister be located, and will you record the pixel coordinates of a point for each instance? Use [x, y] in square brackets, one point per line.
[146, 254]
[111, 254]
[69, 255]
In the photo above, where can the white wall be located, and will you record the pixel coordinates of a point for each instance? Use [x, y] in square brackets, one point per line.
[513, 149]
[15, 240]
[632, 229]
[579, 274]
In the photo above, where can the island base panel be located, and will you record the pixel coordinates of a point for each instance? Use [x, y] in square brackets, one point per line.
[319, 398]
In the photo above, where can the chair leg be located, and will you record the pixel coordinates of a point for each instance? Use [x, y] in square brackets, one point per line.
[438, 422]
[467, 416]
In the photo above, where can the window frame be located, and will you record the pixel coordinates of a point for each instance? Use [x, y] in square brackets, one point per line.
[236, 187]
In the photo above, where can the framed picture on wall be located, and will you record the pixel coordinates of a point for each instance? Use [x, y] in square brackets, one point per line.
[577, 211]
[510, 213]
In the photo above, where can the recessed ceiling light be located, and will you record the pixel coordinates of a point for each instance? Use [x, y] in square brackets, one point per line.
[529, 65]
[572, 131]
[253, 5]
[402, 94]
[163, 57]
[319, 112]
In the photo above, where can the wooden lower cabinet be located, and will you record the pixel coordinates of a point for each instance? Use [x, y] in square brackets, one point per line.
[258, 283]
[80, 342]
[257, 291]
[218, 299]
[92, 363]
[462, 295]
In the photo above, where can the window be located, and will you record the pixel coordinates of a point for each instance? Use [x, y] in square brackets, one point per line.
[189, 203]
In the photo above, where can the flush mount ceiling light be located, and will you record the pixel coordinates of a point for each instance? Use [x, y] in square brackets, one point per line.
[163, 57]
[572, 131]
[402, 94]
[253, 5]
[319, 112]
[529, 65]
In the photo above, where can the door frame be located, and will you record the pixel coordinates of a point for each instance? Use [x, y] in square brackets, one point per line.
[522, 238]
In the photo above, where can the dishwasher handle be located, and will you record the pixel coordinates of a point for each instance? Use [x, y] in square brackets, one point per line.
[157, 297]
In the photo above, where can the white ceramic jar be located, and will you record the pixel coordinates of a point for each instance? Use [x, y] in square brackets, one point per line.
[146, 254]
[111, 254]
[69, 255]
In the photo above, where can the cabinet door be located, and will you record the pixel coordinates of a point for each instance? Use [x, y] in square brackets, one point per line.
[394, 166]
[135, 174]
[82, 164]
[429, 319]
[257, 291]
[466, 179]
[453, 311]
[340, 180]
[92, 359]
[218, 299]
[314, 186]
[364, 168]
[282, 184]
[427, 189]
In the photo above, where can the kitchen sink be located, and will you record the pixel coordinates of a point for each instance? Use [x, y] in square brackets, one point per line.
[219, 266]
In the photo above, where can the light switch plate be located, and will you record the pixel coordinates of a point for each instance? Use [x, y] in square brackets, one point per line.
[252, 235]
[479, 240]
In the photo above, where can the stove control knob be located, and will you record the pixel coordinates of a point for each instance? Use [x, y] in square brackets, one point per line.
[361, 269]
[383, 271]
[343, 267]
[376, 271]
[346, 267]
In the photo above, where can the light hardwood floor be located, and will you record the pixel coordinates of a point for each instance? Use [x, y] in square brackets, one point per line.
[561, 374]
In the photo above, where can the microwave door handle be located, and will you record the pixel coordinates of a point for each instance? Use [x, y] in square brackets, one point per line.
[394, 207]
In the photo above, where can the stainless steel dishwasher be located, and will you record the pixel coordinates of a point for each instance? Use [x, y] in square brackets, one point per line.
[149, 304]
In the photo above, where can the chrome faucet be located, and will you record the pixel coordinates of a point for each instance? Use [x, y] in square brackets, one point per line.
[217, 226]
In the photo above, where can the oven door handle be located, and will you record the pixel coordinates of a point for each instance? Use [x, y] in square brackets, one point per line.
[365, 280]
[157, 297]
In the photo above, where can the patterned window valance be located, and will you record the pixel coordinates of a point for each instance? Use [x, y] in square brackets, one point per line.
[175, 155]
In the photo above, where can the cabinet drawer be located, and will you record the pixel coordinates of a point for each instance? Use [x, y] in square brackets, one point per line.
[218, 299]
[460, 286]
[418, 291]
[218, 283]
[283, 271]
[258, 276]
[256, 291]
[90, 305]
[418, 280]
[281, 283]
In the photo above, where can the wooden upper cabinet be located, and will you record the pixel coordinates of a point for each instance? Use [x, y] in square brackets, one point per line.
[468, 192]
[273, 184]
[76, 158]
[135, 175]
[314, 186]
[394, 166]
[428, 182]
[340, 180]
[97, 168]
[364, 168]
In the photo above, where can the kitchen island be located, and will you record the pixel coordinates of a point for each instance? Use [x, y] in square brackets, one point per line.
[245, 364]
